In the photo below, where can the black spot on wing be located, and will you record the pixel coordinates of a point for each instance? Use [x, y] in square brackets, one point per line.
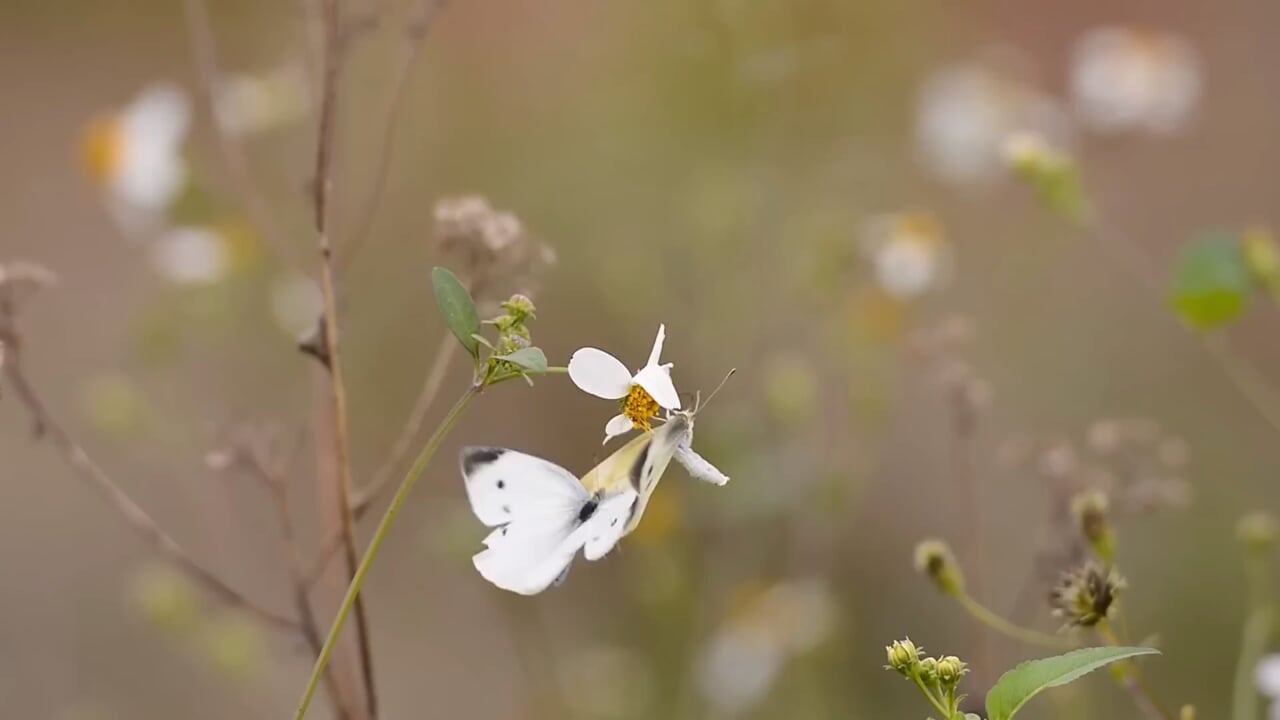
[588, 509]
[637, 469]
[564, 575]
[476, 457]
[501, 484]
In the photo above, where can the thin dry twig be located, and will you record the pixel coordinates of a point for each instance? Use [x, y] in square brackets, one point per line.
[204, 54]
[382, 478]
[46, 426]
[322, 184]
[277, 487]
[415, 38]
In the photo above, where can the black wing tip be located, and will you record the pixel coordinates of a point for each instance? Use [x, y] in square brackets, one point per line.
[474, 457]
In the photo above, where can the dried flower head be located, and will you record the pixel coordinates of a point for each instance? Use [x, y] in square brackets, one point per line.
[934, 560]
[1084, 596]
[490, 247]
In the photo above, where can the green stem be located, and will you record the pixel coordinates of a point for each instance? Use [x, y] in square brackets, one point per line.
[933, 700]
[1130, 680]
[1004, 627]
[1255, 636]
[357, 580]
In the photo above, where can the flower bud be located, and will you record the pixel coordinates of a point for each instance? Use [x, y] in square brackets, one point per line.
[934, 559]
[519, 307]
[929, 671]
[950, 670]
[1090, 510]
[1188, 712]
[1258, 532]
[903, 656]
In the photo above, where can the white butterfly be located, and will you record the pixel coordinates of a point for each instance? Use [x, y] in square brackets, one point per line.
[543, 515]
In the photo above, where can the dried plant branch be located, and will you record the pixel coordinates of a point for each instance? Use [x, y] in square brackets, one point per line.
[73, 453]
[322, 184]
[310, 628]
[385, 473]
[204, 53]
[415, 38]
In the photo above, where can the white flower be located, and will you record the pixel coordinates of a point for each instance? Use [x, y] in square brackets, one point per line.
[965, 112]
[248, 104]
[749, 651]
[191, 256]
[907, 253]
[642, 394]
[1123, 79]
[296, 304]
[135, 154]
[1267, 677]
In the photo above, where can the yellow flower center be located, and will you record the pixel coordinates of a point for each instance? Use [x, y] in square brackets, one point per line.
[101, 149]
[640, 407]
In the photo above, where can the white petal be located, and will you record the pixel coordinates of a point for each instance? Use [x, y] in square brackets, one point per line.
[656, 352]
[1267, 675]
[599, 373]
[617, 425]
[656, 380]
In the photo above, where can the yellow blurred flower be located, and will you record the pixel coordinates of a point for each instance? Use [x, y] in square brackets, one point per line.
[135, 153]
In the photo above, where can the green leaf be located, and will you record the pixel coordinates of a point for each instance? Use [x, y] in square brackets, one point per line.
[1022, 683]
[1211, 281]
[531, 359]
[457, 308]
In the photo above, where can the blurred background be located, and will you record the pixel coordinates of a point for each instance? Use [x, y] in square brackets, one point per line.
[811, 191]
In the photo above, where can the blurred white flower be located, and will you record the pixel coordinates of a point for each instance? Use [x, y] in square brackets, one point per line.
[296, 304]
[1126, 80]
[749, 651]
[641, 395]
[191, 256]
[965, 112]
[1267, 676]
[907, 251]
[135, 153]
[249, 103]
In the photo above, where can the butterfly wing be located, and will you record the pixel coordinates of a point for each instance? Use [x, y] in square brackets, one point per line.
[534, 506]
[504, 485]
[608, 524]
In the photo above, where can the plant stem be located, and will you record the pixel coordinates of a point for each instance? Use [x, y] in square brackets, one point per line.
[1032, 637]
[1130, 680]
[342, 443]
[1258, 627]
[397, 502]
[933, 700]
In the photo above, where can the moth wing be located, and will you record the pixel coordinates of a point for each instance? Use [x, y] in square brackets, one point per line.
[506, 485]
[608, 524]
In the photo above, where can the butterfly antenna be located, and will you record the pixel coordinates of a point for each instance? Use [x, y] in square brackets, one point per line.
[701, 404]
